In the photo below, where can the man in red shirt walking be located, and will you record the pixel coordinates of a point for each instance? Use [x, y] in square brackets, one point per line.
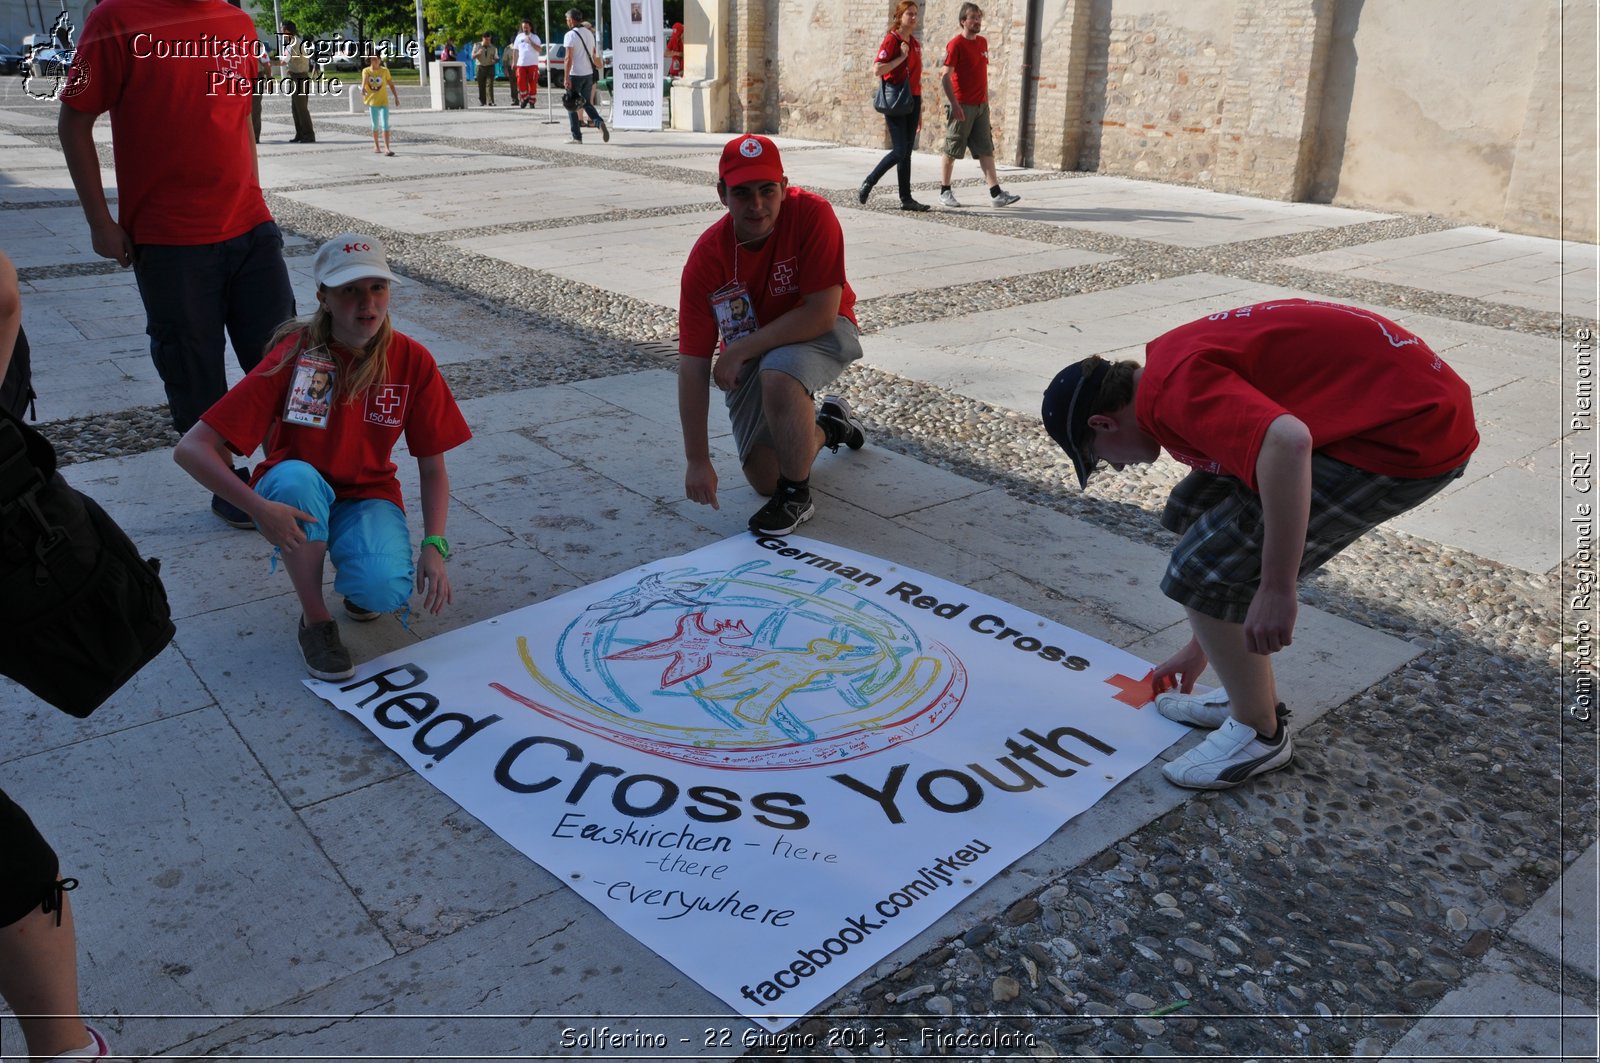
[191, 218]
[966, 86]
[766, 285]
[1306, 424]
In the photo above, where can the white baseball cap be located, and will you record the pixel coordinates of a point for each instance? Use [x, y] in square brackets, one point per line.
[350, 257]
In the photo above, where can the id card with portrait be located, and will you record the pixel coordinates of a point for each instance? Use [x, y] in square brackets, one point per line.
[310, 401]
[736, 315]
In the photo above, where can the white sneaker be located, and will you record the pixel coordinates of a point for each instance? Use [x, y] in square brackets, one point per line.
[1231, 754]
[95, 1049]
[1197, 710]
[1004, 198]
[948, 198]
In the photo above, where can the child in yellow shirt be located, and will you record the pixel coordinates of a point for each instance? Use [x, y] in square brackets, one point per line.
[377, 87]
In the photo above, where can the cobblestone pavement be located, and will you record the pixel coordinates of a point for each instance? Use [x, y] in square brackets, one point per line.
[1314, 912]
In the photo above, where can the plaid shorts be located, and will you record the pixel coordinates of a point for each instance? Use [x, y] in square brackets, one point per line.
[1216, 567]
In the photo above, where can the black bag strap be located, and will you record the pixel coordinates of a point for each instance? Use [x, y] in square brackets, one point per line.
[19, 477]
[22, 480]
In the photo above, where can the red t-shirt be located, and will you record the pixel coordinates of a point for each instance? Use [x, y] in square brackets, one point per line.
[1374, 395]
[180, 127]
[354, 452]
[969, 67]
[804, 254]
[911, 68]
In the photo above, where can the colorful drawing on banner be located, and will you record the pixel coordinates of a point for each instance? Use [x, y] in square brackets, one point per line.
[754, 667]
[772, 760]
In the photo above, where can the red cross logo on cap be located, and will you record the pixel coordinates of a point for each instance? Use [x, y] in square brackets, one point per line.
[750, 148]
[356, 247]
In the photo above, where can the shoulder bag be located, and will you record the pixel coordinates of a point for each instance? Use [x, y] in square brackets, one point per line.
[893, 99]
[83, 612]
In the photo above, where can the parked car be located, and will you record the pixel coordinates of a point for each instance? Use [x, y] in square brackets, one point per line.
[11, 60]
[552, 65]
[50, 62]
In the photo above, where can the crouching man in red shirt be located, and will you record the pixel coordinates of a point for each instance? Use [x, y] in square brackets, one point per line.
[766, 283]
[1306, 424]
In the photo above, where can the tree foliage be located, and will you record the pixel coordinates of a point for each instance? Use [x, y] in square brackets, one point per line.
[366, 19]
[467, 20]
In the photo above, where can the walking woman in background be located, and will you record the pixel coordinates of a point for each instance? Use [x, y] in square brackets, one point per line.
[900, 58]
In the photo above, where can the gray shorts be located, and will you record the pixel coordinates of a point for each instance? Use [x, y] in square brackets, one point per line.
[815, 363]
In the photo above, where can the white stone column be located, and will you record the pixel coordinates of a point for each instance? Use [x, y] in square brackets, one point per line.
[700, 99]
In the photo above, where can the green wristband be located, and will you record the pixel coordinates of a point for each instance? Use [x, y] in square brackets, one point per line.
[439, 543]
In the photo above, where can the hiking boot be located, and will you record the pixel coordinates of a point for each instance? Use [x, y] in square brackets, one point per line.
[863, 192]
[324, 653]
[1197, 710]
[839, 425]
[1004, 199]
[948, 198]
[786, 510]
[356, 612]
[230, 514]
[1231, 754]
[911, 204]
[605, 133]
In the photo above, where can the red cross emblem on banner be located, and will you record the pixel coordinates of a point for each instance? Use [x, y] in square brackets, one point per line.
[1135, 693]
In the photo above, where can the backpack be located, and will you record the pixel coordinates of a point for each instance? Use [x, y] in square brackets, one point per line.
[83, 612]
[16, 390]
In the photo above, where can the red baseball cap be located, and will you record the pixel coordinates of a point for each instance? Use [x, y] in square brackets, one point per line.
[749, 158]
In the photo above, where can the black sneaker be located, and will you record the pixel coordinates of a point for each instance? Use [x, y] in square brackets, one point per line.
[605, 133]
[840, 424]
[230, 514]
[785, 511]
[356, 612]
[324, 653]
[913, 205]
[863, 192]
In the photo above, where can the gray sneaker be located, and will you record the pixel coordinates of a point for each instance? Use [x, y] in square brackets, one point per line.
[1197, 710]
[324, 652]
[1004, 198]
[1230, 755]
[948, 198]
[839, 424]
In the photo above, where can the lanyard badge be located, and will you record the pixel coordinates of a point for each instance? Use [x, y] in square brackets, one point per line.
[310, 401]
[736, 315]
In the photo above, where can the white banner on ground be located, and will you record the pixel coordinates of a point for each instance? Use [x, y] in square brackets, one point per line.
[772, 760]
[637, 51]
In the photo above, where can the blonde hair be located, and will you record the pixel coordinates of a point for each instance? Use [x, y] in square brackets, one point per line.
[370, 368]
[900, 9]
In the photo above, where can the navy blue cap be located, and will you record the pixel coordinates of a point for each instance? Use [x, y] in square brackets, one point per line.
[1068, 401]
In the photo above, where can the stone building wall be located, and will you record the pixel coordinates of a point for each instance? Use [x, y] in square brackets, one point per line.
[1457, 107]
[1156, 86]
